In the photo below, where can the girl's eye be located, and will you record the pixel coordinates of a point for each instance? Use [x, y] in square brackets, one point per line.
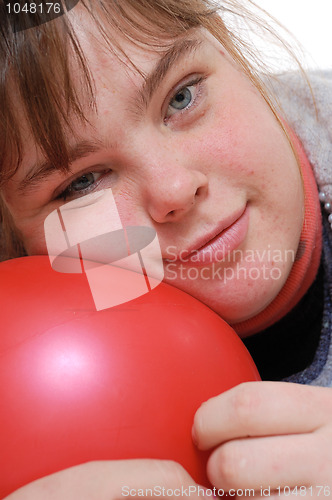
[184, 98]
[81, 185]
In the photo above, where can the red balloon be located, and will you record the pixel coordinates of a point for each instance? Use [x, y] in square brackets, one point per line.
[78, 385]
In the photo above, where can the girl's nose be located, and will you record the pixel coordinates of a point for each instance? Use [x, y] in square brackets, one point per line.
[173, 192]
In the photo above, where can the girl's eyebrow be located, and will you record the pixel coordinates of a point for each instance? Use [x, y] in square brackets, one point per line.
[40, 171]
[178, 51]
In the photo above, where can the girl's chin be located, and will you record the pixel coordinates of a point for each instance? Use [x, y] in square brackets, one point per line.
[234, 302]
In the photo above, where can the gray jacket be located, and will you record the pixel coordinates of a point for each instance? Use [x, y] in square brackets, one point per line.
[312, 122]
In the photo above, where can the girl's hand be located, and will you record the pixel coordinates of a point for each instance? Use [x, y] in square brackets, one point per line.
[270, 436]
[110, 480]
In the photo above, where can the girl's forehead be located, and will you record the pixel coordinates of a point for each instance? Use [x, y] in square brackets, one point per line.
[145, 42]
[132, 53]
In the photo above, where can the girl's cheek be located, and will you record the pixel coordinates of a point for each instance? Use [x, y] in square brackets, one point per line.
[34, 242]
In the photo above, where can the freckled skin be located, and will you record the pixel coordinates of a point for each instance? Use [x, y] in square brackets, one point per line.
[184, 176]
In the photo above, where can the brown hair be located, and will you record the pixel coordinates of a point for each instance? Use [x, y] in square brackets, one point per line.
[35, 70]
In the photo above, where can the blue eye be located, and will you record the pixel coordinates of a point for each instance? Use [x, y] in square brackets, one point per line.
[81, 185]
[182, 99]
[185, 97]
[82, 182]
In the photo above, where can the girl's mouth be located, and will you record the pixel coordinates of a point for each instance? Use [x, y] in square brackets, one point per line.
[214, 247]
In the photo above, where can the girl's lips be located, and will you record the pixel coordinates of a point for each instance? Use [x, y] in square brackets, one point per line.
[217, 248]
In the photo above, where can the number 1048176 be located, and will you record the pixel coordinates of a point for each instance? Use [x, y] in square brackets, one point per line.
[33, 8]
[302, 491]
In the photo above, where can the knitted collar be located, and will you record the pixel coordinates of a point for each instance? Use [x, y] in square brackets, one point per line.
[307, 260]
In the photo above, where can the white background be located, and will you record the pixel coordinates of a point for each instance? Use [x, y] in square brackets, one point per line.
[310, 21]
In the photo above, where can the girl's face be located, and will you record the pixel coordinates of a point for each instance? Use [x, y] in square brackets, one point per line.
[192, 151]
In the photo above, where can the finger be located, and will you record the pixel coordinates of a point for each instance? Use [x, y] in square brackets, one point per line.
[261, 409]
[113, 480]
[271, 462]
